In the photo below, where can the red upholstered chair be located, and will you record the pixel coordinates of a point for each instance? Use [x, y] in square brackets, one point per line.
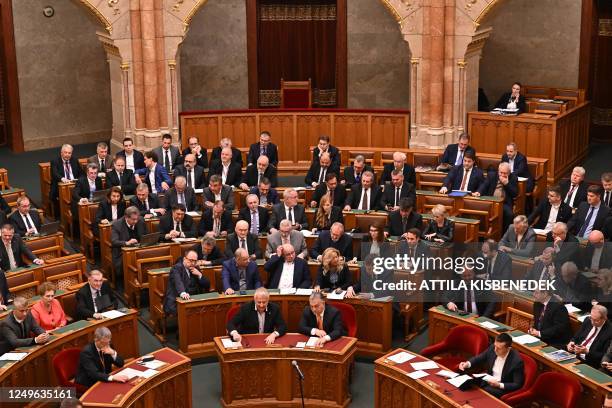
[555, 388]
[231, 313]
[349, 317]
[460, 342]
[65, 364]
[531, 370]
[296, 94]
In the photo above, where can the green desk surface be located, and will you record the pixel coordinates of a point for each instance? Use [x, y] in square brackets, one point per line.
[160, 270]
[499, 325]
[210, 295]
[72, 326]
[444, 310]
[592, 374]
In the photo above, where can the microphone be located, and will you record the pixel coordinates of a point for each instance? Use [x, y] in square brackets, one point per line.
[297, 368]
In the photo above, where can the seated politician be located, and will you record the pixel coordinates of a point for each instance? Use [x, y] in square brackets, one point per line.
[479, 302]
[258, 316]
[264, 148]
[226, 167]
[574, 287]
[321, 320]
[331, 187]
[25, 220]
[12, 248]
[501, 184]
[543, 268]
[440, 229]
[502, 363]
[97, 359]
[565, 245]
[101, 158]
[551, 321]
[185, 279]
[317, 173]
[286, 235]
[334, 274]
[366, 287]
[267, 195]
[497, 264]
[324, 146]
[399, 222]
[94, 297]
[177, 224]
[242, 238]
[240, 273]
[365, 196]
[109, 210]
[598, 253]
[519, 238]
[193, 173]
[216, 222]
[288, 209]
[327, 214]
[121, 177]
[398, 189]
[19, 328]
[374, 243]
[467, 177]
[208, 252]
[48, 311]
[593, 339]
[454, 152]
[334, 238]
[147, 204]
[255, 215]
[399, 164]
[550, 210]
[285, 270]
[125, 231]
[181, 193]
[253, 174]
[512, 99]
[352, 174]
[590, 215]
[217, 191]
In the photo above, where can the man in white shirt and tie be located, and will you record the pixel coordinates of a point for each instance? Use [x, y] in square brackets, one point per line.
[26, 221]
[593, 339]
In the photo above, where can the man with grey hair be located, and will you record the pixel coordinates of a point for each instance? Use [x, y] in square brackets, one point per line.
[240, 273]
[101, 158]
[242, 238]
[63, 169]
[504, 185]
[335, 237]
[97, 359]
[17, 327]
[399, 163]
[255, 215]
[574, 287]
[226, 142]
[593, 339]
[208, 252]
[352, 174]
[286, 235]
[126, 231]
[564, 244]
[25, 220]
[229, 170]
[181, 193]
[574, 190]
[365, 196]
[86, 186]
[288, 209]
[543, 267]
[519, 239]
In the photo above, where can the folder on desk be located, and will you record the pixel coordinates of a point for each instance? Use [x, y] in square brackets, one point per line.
[458, 193]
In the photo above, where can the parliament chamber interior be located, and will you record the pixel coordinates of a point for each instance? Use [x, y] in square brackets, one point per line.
[305, 203]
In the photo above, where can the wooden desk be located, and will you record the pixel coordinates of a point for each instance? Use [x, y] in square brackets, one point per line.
[11, 195]
[4, 182]
[65, 208]
[44, 173]
[47, 247]
[261, 376]
[594, 392]
[171, 387]
[203, 319]
[393, 388]
[87, 218]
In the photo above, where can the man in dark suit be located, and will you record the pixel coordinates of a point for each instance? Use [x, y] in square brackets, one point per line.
[267, 195]
[253, 174]
[352, 174]
[217, 191]
[121, 177]
[318, 170]
[185, 279]
[590, 215]
[193, 173]
[334, 238]
[467, 177]
[19, 325]
[364, 196]
[497, 265]
[337, 193]
[593, 339]
[321, 320]
[208, 252]
[502, 363]
[240, 273]
[256, 216]
[226, 142]
[97, 359]
[551, 321]
[263, 148]
[606, 185]
[134, 160]
[229, 171]
[101, 158]
[198, 151]
[288, 209]
[502, 184]
[550, 211]
[216, 222]
[63, 169]
[125, 231]
[168, 155]
[94, 297]
[399, 163]
[4, 292]
[285, 270]
[258, 316]
[574, 287]
[518, 164]
[398, 189]
[154, 175]
[5, 210]
[85, 187]
[241, 238]
[147, 204]
[324, 146]
[177, 224]
[519, 239]
[543, 268]
[574, 190]
[470, 300]
[565, 245]
[598, 253]
[25, 220]
[11, 249]
[181, 194]
[454, 153]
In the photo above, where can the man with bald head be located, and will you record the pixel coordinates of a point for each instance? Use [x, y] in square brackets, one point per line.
[181, 193]
[259, 316]
[242, 238]
[318, 170]
[215, 154]
[598, 253]
[240, 273]
[399, 163]
[254, 174]
[286, 270]
[230, 171]
[193, 173]
[593, 339]
[334, 238]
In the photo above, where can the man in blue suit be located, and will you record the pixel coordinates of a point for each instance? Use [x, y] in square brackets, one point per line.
[467, 177]
[455, 152]
[287, 270]
[156, 177]
[240, 273]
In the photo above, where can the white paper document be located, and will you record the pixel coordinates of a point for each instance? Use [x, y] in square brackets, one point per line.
[303, 291]
[307, 233]
[525, 339]
[417, 374]
[287, 291]
[312, 342]
[193, 213]
[571, 308]
[488, 325]
[229, 344]
[153, 364]
[583, 317]
[539, 231]
[198, 190]
[424, 365]
[130, 373]
[300, 344]
[112, 314]
[148, 373]
[400, 358]
[336, 296]
[458, 381]
[13, 356]
[484, 376]
[447, 374]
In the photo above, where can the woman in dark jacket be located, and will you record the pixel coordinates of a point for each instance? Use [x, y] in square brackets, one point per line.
[512, 100]
[110, 209]
[333, 273]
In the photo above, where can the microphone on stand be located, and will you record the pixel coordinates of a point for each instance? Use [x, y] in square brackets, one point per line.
[297, 368]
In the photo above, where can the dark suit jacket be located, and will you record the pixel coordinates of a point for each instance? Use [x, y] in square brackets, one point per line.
[568, 250]
[450, 153]
[388, 195]
[57, 173]
[272, 196]
[234, 172]
[5, 210]
[581, 194]
[339, 194]
[264, 218]
[200, 180]
[120, 234]
[353, 199]
[127, 182]
[255, 150]
[81, 188]
[334, 155]
[503, 101]
[108, 162]
[166, 224]
[207, 223]
[349, 175]
[105, 212]
[231, 277]
[181, 280]
[324, 241]
[554, 325]
[599, 346]
[278, 214]
[605, 260]
[4, 288]
[453, 180]
[575, 223]
[138, 159]
[315, 169]
[536, 271]
[173, 151]
[332, 322]
[345, 279]
[335, 216]
[247, 322]
[91, 370]
[232, 244]
[215, 154]
[153, 203]
[20, 227]
[483, 299]
[395, 227]
[502, 268]
[19, 248]
[85, 302]
[579, 293]
[251, 175]
[408, 170]
[216, 257]
[513, 373]
[446, 232]
[11, 331]
[301, 273]
[161, 175]
[511, 189]
[201, 160]
[521, 168]
[190, 199]
[542, 212]
[227, 196]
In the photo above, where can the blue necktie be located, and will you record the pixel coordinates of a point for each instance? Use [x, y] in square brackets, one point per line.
[586, 226]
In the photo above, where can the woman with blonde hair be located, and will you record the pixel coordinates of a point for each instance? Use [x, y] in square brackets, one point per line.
[327, 214]
[333, 273]
[440, 229]
[48, 311]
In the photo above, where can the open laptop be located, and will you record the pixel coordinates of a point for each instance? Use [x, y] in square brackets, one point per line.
[149, 239]
[99, 195]
[49, 228]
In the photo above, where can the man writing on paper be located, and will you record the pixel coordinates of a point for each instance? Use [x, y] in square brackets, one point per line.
[185, 279]
[321, 320]
[258, 316]
[97, 359]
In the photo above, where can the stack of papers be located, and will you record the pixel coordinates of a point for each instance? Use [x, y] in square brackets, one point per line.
[447, 374]
[153, 365]
[571, 308]
[287, 291]
[336, 296]
[525, 339]
[112, 314]
[130, 373]
[13, 356]
[424, 365]
[489, 325]
[302, 291]
[312, 342]
[583, 317]
[229, 344]
[300, 344]
[417, 374]
[458, 381]
[400, 358]
[484, 376]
